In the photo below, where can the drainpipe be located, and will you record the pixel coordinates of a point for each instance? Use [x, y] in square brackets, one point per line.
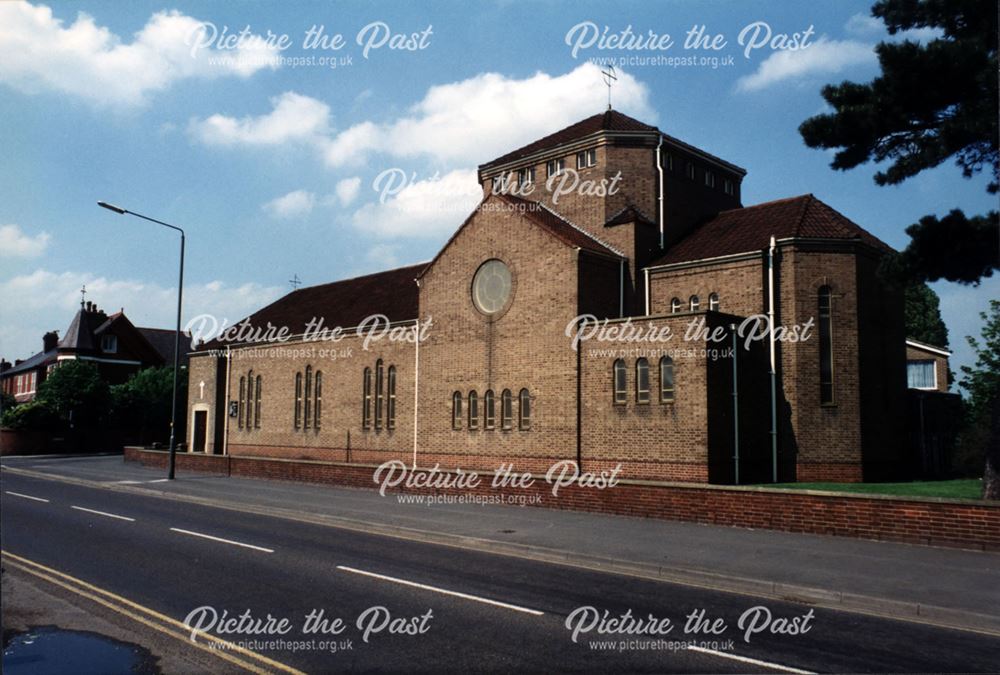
[736, 414]
[647, 290]
[621, 288]
[774, 383]
[659, 198]
[579, 412]
[416, 378]
[225, 411]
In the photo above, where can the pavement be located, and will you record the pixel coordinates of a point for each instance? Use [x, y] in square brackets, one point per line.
[939, 586]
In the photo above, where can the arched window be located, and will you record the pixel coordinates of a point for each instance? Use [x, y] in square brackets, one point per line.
[239, 407]
[307, 418]
[298, 400]
[256, 406]
[379, 394]
[713, 302]
[675, 305]
[618, 382]
[666, 380]
[456, 410]
[642, 381]
[390, 410]
[825, 345]
[473, 410]
[506, 409]
[489, 410]
[318, 400]
[524, 410]
[366, 399]
[693, 303]
[250, 399]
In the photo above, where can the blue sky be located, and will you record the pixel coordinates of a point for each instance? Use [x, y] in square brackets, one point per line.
[270, 164]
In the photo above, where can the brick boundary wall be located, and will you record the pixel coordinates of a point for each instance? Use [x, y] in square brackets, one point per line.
[929, 521]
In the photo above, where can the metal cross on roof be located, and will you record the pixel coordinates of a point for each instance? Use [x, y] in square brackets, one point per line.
[609, 79]
[295, 282]
[83, 295]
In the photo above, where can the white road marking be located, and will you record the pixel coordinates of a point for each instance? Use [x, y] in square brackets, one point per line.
[425, 587]
[18, 494]
[104, 513]
[754, 662]
[220, 539]
[139, 482]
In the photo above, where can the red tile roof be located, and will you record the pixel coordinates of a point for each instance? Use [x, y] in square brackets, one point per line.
[343, 304]
[611, 120]
[749, 229]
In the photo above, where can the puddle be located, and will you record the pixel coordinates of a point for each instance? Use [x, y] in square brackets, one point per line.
[54, 651]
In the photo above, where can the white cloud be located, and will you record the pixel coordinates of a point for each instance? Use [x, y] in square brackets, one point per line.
[870, 27]
[293, 118]
[292, 205]
[14, 243]
[823, 57]
[864, 24]
[424, 208]
[43, 300]
[473, 120]
[347, 190]
[89, 61]
[383, 256]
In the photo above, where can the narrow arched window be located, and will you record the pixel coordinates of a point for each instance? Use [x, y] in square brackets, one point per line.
[524, 410]
[489, 410]
[379, 394]
[666, 380]
[825, 345]
[366, 399]
[307, 418]
[506, 409]
[298, 400]
[456, 410]
[256, 405]
[390, 410]
[642, 381]
[250, 399]
[318, 400]
[693, 303]
[675, 305]
[473, 410]
[239, 406]
[618, 382]
[713, 302]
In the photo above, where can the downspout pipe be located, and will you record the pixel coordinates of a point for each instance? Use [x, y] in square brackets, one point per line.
[416, 378]
[736, 412]
[225, 411]
[659, 198]
[774, 379]
[647, 290]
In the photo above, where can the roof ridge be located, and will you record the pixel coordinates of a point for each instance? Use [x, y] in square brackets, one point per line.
[360, 276]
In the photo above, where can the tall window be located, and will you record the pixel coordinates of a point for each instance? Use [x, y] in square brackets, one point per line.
[713, 302]
[728, 187]
[666, 380]
[307, 418]
[675, 305]
[318, 400]
[366, 399]
[526, 175]
[489, 410]
[556, 166]
[250, 400]
[524, 410]
[256, 405]
[390, 410]
[586, 159]
[825, 345]
[506, 409]
[456, 410]
[298, 400]
[618, 377]
[239, 407]
[379, 394]
[668, 162]
[473, 410]
[642, 381]
[690, 171]
[709, 179]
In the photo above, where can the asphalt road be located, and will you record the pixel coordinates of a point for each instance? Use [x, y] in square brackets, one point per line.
[487, 612]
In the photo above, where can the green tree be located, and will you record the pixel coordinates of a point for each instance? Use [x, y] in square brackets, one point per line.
[142, 404]
[33, 415]
[923, 315]
[932, 102]
[76, 393]
[982, 382]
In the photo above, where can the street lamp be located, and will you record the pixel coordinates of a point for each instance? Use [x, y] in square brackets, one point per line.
[177, 332]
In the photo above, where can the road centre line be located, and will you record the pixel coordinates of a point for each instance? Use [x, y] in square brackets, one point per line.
[220, 539]
[754, 662]
[104, 513]
[444, 591]
[18, 494]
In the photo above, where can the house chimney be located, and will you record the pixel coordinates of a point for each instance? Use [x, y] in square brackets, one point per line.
[49, 341]
[5, 365]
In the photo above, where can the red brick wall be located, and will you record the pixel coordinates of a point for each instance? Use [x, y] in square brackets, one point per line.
[934, 522]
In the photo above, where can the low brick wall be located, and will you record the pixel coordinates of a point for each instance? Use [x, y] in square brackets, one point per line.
[939, 522]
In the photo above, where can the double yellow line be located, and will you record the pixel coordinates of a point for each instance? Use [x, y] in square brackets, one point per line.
[248, 660]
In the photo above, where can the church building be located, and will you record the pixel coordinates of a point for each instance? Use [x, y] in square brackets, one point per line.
[609, 230]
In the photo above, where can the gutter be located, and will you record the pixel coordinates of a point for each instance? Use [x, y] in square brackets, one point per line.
[774, 383]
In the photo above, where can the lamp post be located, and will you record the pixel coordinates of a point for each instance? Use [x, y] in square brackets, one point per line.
[177, 332]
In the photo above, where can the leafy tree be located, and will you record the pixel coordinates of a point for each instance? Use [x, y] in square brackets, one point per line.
[982, 382]
[142, 404]
[7, 401]
[923, 315]
[76, 393]
[932, 102]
